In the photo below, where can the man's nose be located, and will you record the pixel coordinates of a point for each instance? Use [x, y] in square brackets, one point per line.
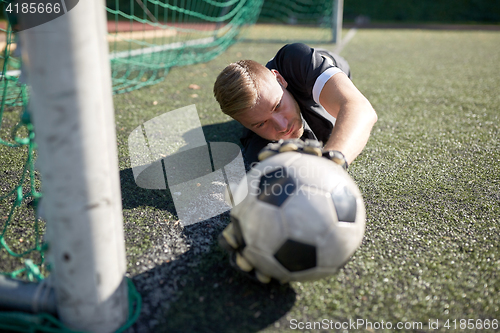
[280, 123]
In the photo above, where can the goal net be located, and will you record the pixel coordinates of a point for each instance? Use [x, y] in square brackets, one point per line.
[145, 38]
[148, 37]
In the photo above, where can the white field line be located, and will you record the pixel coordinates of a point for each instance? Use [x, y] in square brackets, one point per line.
[350, 35]
[148, 34]
[15, 72]
[147, 50]
[153, 49]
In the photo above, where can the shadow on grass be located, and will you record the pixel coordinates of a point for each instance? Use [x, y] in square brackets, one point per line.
[134, 196]
[229, 131]
[206, 294]
[198, 291]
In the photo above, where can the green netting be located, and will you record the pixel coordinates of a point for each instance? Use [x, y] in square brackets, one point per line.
[43, 322]
[26, 245]
[21, 231]
[148, 37]
[10, 90]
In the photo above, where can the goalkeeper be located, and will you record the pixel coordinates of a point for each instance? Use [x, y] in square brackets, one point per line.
[301, 93]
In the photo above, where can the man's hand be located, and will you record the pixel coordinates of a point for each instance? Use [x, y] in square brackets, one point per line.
[231, 240]
[311, 147]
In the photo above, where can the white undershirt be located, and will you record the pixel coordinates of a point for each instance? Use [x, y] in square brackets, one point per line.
[318, 87]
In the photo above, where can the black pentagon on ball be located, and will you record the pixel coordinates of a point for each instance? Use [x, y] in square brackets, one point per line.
[345, 204]
[275, 187]
[296, 256]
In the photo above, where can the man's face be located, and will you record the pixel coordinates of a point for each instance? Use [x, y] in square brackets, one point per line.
[276, 114]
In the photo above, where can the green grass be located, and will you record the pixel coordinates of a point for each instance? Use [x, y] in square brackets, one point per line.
[20, 235]
[276, 33]
[430, 177]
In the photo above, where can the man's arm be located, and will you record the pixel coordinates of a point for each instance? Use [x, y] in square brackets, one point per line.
[354, 113]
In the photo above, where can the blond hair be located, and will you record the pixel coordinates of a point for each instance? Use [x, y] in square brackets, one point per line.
[238, 85]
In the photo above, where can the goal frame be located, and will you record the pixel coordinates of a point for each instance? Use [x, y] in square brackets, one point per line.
[71, 105]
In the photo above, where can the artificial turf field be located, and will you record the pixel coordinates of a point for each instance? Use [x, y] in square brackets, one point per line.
[430, 178]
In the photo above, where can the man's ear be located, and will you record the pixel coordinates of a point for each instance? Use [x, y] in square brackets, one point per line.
[281, 80]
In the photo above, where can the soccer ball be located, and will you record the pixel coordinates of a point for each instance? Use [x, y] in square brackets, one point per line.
[300, 217]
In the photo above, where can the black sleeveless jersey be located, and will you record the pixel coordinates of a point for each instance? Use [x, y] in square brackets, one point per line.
[306, 70]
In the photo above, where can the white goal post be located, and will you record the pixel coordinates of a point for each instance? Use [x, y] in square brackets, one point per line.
[67, 61]
[337, 21]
